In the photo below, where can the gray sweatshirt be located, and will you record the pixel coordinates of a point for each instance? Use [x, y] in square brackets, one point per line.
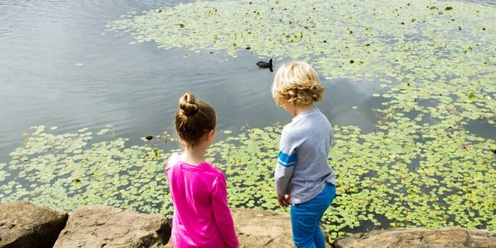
[302, 170]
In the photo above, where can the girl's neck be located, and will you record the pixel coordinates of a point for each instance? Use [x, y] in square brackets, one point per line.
[193, 155]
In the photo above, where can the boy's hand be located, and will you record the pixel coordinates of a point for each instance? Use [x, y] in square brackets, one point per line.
[283, 200]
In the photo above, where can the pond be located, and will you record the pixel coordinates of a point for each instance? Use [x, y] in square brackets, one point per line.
[81, 64]
[59, 67]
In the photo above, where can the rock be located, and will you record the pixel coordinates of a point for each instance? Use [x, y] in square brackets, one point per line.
[259, 228]
[450, 237]
[105, 226]
[25, 225]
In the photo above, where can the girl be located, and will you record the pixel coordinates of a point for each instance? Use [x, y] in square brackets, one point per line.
[304, 179]
[202, 217]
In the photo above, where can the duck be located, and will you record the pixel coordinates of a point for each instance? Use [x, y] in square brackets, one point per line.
[263, 64]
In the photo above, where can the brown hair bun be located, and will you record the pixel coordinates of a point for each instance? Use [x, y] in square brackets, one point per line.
[188, 104]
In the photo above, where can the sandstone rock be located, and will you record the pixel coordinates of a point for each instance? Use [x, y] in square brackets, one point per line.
[105, 226]
[25, 225]
[258, 228]
[450, 237]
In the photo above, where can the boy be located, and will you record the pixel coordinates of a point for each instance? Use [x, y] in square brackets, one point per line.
[303, 177]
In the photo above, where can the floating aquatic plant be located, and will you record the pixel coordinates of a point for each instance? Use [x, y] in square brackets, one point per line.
[64, 171]
[421, 166]
[384, 179]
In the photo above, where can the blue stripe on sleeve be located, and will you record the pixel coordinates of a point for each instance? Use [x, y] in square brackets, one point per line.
[287, 160]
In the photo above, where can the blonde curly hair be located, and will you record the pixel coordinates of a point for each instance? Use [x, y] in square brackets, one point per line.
[296, 83]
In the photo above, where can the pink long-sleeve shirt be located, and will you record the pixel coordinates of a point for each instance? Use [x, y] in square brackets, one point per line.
[202, 217]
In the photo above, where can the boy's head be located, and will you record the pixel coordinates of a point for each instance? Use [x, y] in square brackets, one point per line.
[296, 83]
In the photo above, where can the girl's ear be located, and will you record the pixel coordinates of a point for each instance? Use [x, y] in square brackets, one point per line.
[210, 135]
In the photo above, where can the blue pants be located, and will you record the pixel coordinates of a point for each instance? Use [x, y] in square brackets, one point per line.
[305, 218]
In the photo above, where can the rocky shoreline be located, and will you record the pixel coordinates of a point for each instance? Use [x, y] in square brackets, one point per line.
[25, 225]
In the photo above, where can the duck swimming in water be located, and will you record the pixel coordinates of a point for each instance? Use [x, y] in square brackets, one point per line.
[263, 64]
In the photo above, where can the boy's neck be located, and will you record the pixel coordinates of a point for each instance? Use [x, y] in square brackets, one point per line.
[302, 109]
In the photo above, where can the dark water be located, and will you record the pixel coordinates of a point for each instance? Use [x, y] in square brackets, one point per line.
[58, 67]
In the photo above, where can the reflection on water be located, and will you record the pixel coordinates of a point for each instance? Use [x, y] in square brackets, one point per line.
[59, 68]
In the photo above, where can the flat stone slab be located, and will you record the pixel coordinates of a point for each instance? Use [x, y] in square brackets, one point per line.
[259, 228]
[449, 237]
[105, 226]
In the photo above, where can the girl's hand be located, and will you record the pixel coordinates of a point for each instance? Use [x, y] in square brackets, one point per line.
[283, 200]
